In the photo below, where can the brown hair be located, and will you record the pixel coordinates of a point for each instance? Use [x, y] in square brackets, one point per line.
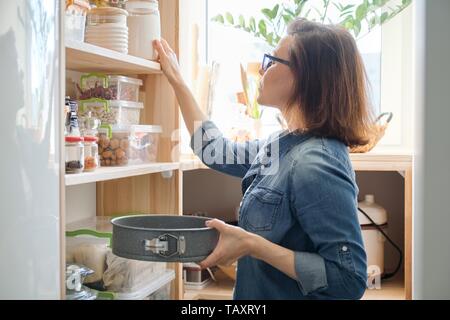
[330, 86]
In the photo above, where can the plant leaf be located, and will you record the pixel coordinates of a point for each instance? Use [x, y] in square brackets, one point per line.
[229, 18]
[219, 18]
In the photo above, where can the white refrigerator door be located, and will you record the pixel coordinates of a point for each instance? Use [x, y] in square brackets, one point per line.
[30, 95]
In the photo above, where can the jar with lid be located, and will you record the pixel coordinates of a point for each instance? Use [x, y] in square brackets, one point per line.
[91, 158]
[89, 124]
[106, 15]
[144, 26]
[74, 151]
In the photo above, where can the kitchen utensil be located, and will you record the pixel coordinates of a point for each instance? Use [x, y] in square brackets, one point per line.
[163, 238]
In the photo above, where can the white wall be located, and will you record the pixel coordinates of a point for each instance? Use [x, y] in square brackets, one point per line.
[431, 261]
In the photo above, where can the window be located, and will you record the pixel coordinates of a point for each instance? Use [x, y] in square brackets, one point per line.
[230, 47]
[386, 52]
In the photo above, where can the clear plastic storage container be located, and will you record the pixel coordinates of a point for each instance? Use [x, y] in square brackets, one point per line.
[124, 88]
[144, 144]
[114, 146]
[75, 19]
[112, 112]
[149, 291]
[113, 87]
[123, 145]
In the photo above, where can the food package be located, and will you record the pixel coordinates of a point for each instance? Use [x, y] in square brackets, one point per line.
[89, 252]
[125, 275]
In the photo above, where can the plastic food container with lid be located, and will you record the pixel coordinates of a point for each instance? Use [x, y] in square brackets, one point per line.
[113, 87]
[144, 24]
[144, 144]
[112, 112]
[75, 19]
[74, 153]
[123, 145]
[124, 88]
[114, 145]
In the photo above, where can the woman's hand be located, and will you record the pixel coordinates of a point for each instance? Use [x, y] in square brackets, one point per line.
[234, 243]
[168, 60]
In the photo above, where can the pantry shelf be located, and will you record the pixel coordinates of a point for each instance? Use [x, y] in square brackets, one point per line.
[85, 57]
[223, 290]
[111, 173]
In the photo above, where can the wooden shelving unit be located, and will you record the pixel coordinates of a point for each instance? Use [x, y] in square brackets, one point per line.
[149, 188]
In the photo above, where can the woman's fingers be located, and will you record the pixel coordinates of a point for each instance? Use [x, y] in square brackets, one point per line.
[166, 46]
[159, 48]
[216, 224]
[211, 260]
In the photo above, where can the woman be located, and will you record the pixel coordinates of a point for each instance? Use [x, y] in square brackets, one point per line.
[298, 234]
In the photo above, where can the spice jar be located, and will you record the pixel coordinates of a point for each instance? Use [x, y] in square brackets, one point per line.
[144, 25]
[91, 159]
[74, 154]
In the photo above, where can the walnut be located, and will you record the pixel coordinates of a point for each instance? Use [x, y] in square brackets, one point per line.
[115, 143]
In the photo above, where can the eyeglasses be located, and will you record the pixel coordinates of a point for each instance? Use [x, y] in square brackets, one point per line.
[268, 60]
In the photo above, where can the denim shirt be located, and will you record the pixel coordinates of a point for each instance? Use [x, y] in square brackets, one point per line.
[299, 192]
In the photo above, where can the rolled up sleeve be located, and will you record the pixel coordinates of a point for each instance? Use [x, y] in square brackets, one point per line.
[221, 154]
[311, 272]
[324, 198]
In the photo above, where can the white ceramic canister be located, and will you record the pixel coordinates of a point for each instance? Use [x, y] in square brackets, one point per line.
[372, 237]
[144, 26]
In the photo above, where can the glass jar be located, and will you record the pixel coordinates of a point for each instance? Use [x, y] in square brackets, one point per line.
[89, 124]
[74, 154]
[106, 15]
[144, 26]
[91, 158]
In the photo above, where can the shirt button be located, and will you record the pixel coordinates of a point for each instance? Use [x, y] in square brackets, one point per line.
[344, 248]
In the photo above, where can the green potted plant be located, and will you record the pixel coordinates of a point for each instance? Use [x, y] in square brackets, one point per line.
[359, 19]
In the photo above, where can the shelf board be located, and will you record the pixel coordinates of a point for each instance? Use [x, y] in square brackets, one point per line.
[111, 173]
[220, 290]
[85, 57]
[377, 160]
[390, 290]
[223, 290]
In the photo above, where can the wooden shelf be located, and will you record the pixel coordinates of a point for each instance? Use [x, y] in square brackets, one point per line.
[111, 173]
[376, 160]
[223, 290]
[220, 290]
[390, 290]
[192, 164]
[85, 57]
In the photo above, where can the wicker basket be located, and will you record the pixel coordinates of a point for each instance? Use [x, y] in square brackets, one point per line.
[378, 133]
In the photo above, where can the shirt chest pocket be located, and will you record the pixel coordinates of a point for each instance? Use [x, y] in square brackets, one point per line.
[260, 209]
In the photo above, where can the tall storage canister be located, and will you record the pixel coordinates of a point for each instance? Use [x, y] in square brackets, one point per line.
[144, 25]
[373, 238]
